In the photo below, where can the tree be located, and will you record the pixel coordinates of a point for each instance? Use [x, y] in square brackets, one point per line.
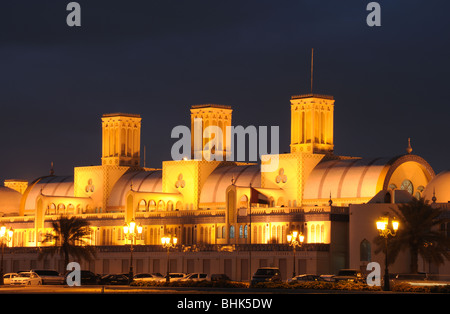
[419, 233]
[70, 236]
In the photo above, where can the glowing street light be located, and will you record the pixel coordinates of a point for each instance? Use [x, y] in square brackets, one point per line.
[131, 231]
[385, 230]
[295, 239]
[5, 236]
[169, 242]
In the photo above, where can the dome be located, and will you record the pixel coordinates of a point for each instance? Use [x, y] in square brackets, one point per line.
[365, 177]
[50, 186]
[142, 181]
[348, 178]
[9, 201]
[440, 186]
[213, 191]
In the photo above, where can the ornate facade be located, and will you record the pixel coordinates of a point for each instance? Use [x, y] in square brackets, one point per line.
[207, 203]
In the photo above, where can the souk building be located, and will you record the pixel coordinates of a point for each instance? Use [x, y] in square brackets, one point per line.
[206, 204]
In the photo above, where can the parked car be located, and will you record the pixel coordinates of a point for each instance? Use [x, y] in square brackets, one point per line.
[265, 274]
[305, 278]
[194, 277]
[7, 278]
[114, 279]
[50, 277]
[329, 278]
[89, 278]
[220, 277]
[149, 277]
[174, 276]
[349, 275]
[26, 278]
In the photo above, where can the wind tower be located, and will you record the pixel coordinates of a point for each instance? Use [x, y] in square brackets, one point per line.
[312, 121]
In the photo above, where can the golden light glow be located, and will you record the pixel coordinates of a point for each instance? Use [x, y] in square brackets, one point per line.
[381, 225]
[132, 226]
[395, 224]
[302, 238]
[2, 231]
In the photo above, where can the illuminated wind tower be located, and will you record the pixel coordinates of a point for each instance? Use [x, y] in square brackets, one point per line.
[312, 123]
[121, 133]
[210, 115]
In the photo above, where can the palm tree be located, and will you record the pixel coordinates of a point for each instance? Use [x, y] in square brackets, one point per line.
[70, 236]
[419, 232]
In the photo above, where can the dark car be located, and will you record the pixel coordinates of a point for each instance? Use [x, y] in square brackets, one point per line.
[220, 277]
[266, 274]
[354, 275]
[305, 278]
[89, 278]
[113, 279]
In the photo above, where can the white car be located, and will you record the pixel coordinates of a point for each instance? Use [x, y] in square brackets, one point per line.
[7, 278]
[149, 277]
[194, 277]
[26, 278]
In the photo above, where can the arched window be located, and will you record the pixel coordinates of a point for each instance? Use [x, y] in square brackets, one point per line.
[51, 209]
[271, 202]
[161, 205]
[246, 231]
[151, 205]
[169, 205]
[241, 232]
[231, 232]
[243, 202]
[365, 251]
[142, 206]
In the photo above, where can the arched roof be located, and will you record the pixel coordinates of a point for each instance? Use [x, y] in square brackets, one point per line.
[357, 178]
[9, 201]
[141, 181]
[50, 186]
[213, 191]
[440, 187]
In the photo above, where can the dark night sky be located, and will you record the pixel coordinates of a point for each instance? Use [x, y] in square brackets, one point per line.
[157, 58]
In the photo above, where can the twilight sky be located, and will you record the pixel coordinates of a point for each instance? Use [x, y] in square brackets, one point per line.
[158, 57]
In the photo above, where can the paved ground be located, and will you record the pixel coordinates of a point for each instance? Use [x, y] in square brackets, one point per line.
[55, 289]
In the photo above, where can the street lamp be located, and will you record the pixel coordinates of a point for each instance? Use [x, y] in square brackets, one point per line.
[131, 231]
[169, 242]
[5, 236]
[295, 239]
[385, 230]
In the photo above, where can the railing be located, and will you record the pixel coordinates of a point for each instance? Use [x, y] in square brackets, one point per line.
[321, 247]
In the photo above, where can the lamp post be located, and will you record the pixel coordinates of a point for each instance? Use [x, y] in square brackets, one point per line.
[295, 239]
[5, 236]
[169, 242]
[385, 229]
[131, 231]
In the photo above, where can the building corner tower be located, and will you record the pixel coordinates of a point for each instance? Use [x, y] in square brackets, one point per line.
[121, 134]
[312, 124]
